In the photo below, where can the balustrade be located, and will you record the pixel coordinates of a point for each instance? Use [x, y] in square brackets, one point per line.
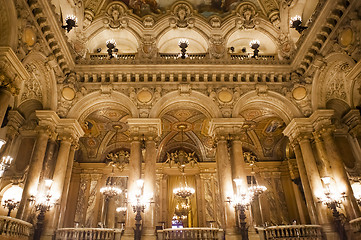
[191, 233]
[288, 232]
[88, 234]
[12, 228]
[101, 56]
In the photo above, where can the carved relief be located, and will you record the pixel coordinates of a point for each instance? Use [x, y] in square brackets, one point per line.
[32, 88]
[182, 17]
[116, 16]
[148, 48]
[218, 48]
[247, 17]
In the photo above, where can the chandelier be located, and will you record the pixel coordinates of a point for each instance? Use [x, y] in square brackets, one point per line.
[182, 209]
[184, 192]
[110, 190]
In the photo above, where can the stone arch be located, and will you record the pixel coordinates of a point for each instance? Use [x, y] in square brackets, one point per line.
[41, 85]
[282, 106]
[194, 100]
[96, 100]
[330, 82]
[8, 24]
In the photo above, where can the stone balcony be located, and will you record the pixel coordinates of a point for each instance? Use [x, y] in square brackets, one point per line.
[88, 234]
[12, 228]
[305, 232]
[191, 233]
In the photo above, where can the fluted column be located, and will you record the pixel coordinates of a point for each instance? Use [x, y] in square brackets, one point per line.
[67, 179]
[35, 167]
[339, 173]
[311, 206]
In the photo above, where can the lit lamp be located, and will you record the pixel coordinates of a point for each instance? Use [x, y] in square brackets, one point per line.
[11, 198]
[255, 44]
[139, 204]
[296, 22]
[183, 44]
[71, 21]
[333, 200]
[43, 204]
[111, 45]
[5, 164]
[241, 200]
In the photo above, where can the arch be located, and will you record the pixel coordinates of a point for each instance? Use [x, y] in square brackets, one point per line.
[97, 100]
[168, 41]
[327, 85]
[193, 100]
[283, 107]
[8, 24]
[28, 108]
[44, 76]
[340, 107]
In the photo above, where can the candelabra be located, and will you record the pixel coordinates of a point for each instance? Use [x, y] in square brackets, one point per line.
[10, 204]
[139, 204]
[183, 44]
[241, 200]
[111, 45]
[42, 205]
[333, 200]
[255, 44]
[296, 22]
[70, 23]
[5, 164]
[356, 188]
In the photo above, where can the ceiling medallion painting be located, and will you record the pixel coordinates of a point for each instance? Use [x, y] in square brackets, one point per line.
[204, 7]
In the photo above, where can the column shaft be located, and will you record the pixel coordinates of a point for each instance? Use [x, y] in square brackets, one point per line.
[237, 162]
[340, 175]
[110, 219]
[150, 182]
[225, 184]
[311, 206]
[313, 177]
[64, 199]
[32, 180]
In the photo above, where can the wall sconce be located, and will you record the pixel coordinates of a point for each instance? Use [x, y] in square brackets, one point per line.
[71, 21]
[333, 200]
[42, 205]
[111, 45]
[296, 22]
[255, 44]
[183, 44]
[5, 164]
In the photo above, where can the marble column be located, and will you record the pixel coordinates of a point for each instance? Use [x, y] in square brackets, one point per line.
[238, 165]
[325, 169]
[340, 175]
[311, 206]
[67, 179]
[313, 176]
[5, 97]
[225, 184]
[35, 167]
[150, 178]
[111, 211]
[135, 169]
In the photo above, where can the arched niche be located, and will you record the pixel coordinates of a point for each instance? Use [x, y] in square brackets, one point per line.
[126, 42]
[168, 42]
[241, 39]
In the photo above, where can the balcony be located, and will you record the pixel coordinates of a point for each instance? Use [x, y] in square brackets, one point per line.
[305, 232]
[12, 228]
[88, 234]
[191, 233]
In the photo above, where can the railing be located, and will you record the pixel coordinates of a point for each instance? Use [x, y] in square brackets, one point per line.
[191, 56]
[288, 232]
[191, 233]
[101, 56]
[356, 225]
[235, 56]
[12, 228]
[88, 234]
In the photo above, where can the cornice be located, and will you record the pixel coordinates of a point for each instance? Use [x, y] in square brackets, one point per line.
[317, 36]
[50, 27]
[9, 57]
